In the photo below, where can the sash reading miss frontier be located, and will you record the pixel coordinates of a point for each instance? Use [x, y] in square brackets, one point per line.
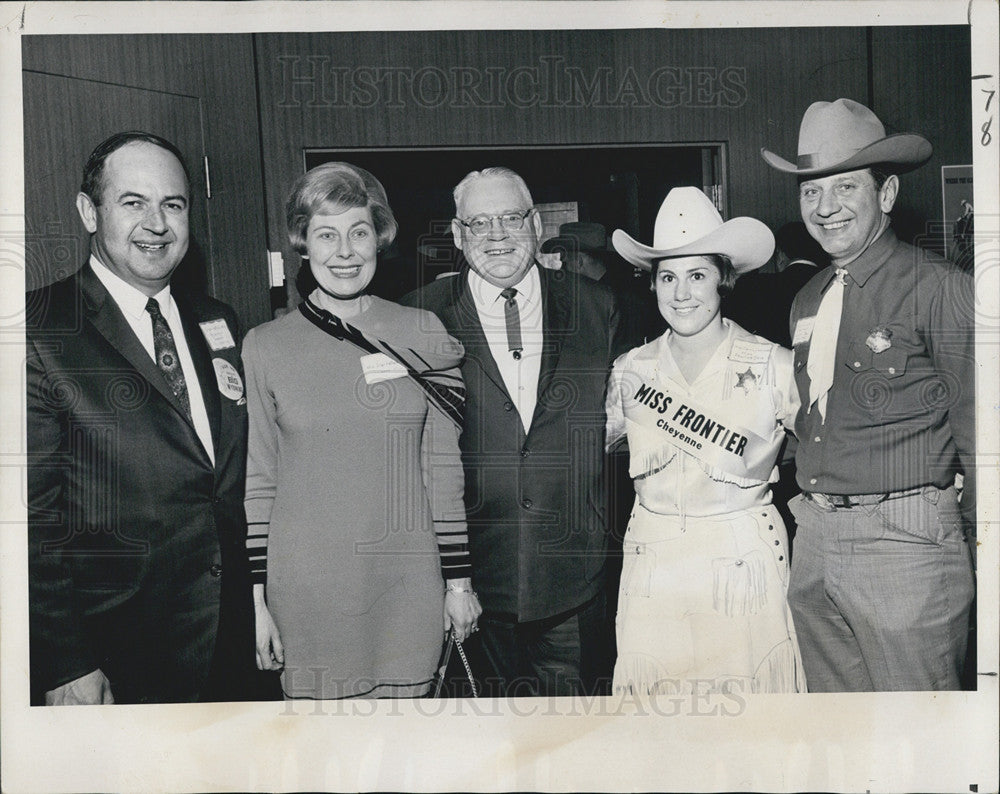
[711, 435]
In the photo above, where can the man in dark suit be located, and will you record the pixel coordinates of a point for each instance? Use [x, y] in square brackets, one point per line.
[136, 429]
[538, 345]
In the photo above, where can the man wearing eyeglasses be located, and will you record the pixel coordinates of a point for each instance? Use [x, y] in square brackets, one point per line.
[539, 344]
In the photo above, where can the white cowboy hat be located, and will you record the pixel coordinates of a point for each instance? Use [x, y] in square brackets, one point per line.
[689, 225]
[844, 135]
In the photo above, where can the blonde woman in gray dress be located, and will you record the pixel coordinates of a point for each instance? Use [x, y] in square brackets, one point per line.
[357, 536]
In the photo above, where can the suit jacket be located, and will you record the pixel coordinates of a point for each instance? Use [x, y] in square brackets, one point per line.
[762, 302]
[136, 560]
[536, 503]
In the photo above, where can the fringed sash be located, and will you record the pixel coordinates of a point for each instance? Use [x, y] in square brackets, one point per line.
[444, 390]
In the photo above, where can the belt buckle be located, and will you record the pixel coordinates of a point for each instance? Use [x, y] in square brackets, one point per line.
[819, 499]
[830, 501]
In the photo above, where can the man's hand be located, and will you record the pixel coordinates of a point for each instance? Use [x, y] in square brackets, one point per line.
[93, 689]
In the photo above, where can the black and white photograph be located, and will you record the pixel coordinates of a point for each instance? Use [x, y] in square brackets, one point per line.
[493, 396]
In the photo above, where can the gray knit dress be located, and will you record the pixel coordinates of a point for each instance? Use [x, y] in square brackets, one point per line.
[354, 500]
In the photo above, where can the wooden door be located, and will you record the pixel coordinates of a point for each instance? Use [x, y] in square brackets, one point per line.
[64, 119]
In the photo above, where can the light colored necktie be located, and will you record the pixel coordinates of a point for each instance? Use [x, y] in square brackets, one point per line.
[823, 346]
[513, 321]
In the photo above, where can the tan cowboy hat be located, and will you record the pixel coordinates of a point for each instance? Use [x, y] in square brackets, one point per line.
[689, 225]
[845, 136]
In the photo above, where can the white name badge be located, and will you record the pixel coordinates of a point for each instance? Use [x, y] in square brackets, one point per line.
[379, 367]
[746, 352]
[229, 380]
[803, 331]
[217, 334]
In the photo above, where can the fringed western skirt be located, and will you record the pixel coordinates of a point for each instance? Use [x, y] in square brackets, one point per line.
[702, 607]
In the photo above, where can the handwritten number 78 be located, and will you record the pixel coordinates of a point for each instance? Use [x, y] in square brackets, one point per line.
[987, 137]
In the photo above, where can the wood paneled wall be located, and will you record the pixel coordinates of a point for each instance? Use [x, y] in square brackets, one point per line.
[218, 70]
[921, 84]
[745, 87]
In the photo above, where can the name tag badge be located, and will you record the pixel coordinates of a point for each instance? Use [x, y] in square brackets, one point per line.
[746, 352]
[229, 380]
[218, 335]
[803, 331]
[379, 367]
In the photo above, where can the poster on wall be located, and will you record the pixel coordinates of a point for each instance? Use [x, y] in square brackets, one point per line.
[956, 201]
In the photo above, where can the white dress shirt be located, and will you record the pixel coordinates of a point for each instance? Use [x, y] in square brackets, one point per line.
[132, 303]
[520, 376]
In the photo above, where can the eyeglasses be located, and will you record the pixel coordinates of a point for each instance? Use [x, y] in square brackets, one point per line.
[509, 222]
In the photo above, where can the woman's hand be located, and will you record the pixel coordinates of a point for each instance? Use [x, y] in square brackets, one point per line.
[270, 652]
[461, 609]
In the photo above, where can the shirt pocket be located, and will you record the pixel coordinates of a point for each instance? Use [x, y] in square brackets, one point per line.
[890, 363]
[859, 357]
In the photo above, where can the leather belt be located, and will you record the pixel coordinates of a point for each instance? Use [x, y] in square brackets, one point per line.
[834, 501]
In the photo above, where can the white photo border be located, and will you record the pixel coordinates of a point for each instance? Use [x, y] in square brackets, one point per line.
[851, 742]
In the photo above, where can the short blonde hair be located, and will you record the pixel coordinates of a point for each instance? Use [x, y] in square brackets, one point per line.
[337, 187]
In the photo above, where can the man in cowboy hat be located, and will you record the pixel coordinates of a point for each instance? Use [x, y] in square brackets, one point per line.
[581, 247]
[882, 575]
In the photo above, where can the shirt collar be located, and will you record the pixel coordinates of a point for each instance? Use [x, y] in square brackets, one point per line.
[131, 301]
[873, 257]
[654, 350]
[487, 296]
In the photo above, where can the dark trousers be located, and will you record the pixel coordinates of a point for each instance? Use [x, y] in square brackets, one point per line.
[566, 654]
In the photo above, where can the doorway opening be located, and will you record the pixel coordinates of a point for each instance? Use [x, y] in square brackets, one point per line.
[619, 186]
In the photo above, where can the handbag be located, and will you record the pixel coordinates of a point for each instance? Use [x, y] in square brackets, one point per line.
[454, 679]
